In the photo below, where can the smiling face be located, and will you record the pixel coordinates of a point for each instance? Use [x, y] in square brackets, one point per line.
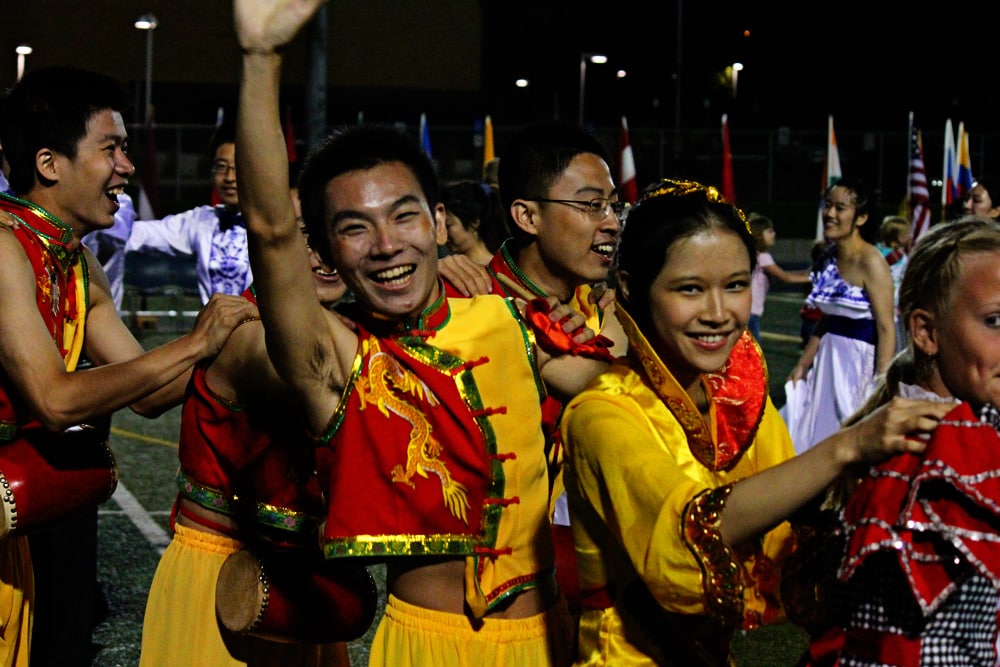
[329, 286]
[88, 185]
[384, 239]
[840, 218]
[700, 303]
[224, 174]
[966, 344]
[574, 247]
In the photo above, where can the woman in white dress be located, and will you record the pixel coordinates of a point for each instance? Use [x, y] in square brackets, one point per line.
[855, 338]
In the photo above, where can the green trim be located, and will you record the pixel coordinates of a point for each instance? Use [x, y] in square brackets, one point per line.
[267, 515]
[400, 545]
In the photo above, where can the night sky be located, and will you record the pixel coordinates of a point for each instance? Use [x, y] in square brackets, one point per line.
[864, 62]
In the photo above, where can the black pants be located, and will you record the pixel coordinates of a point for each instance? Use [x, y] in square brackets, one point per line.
[64, 558]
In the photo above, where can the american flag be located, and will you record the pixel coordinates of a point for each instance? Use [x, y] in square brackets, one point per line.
[917, 194]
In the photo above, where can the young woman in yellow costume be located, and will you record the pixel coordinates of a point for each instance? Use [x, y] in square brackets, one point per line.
[681, 472]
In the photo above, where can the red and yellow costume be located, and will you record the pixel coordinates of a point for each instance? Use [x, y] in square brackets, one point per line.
[503, 264]
[436, 454]
[255, 467]
[436, 449]
[647, 477]
[62, 298]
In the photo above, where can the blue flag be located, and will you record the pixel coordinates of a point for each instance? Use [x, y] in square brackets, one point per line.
[425, 137]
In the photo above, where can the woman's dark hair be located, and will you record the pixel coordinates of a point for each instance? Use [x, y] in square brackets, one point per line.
[862, 205]
[477, 205]
[668, 212]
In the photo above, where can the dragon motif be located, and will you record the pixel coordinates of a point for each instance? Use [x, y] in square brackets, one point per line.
[380, 387]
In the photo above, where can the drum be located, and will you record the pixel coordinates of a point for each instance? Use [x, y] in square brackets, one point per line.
[295, 595]
[47, 477]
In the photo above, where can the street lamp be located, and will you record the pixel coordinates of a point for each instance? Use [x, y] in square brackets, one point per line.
[22, 51]
[597, 59]
[737, 67]
[147, 22]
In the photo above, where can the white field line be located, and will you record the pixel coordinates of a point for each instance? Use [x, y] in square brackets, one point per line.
[137, 514]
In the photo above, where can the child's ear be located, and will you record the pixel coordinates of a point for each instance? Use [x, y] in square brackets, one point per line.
[923, 331]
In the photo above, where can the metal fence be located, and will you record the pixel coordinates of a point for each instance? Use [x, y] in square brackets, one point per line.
[777, 172]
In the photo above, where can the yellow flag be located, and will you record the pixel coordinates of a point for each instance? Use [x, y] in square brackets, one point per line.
[488, 154]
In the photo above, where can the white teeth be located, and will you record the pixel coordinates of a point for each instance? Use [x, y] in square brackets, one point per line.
[392, 274]
[604, 248]
[713, 338]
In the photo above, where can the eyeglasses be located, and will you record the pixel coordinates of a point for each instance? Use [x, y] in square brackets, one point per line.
[597, 208]
[223, 168]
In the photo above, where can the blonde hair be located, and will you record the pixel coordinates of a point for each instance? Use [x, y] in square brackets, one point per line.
[892, 230]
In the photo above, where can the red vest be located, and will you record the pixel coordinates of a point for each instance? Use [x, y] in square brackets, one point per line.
[61, 281]
[254, 465]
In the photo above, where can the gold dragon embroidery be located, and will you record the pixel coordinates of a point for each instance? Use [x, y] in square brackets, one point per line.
[423, 451]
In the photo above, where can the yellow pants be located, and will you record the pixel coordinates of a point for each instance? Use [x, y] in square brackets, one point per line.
[410, 635]
[17, 601]
[180, 626]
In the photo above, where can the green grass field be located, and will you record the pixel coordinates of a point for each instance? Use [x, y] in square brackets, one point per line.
[134, 524]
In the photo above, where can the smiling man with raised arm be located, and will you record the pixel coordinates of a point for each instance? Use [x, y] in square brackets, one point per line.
[431, 451]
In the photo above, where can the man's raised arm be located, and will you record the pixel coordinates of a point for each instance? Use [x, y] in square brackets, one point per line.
[295, 322]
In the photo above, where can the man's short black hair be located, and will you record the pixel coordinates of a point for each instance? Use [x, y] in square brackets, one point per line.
[50, 108]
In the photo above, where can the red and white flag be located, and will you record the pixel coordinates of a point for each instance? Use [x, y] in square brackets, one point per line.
[628, 188]
[831, 173]
[728, 186]
[917, 194]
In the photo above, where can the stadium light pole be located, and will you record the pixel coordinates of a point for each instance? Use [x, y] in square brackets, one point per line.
[597, 59]
[22, 51]
[147, 22]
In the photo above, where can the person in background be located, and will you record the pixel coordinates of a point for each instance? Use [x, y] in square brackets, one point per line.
[983, 198]
[475, 220]
[808, 314]
[245, 479]
[895, 235]
[895, 239]
[885, 585]
[215, 236]
[108, 245]
[855, 338]
[766, 270]
[64, 141]
[680, 471]
[564, 218]
[429, 407]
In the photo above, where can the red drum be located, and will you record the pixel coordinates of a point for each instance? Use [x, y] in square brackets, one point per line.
[295, 595]
[46, 477]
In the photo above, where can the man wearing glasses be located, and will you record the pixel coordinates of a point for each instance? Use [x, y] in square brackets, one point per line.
[215, 235]
[564, 218]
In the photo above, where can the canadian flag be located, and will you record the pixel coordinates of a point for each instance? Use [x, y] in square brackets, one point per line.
[628, 189]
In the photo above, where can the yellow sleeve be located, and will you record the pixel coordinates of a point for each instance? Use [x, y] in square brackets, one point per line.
[631, 479]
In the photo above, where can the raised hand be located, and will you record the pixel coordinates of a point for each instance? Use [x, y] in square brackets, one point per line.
[264, 26]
